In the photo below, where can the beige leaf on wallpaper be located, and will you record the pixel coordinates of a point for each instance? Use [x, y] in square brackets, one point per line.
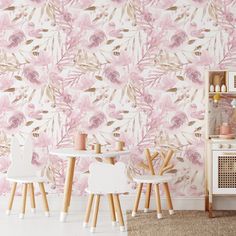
[191, 123]
[90, 90]
[98, 77]
[18, 77]
[191, 41]
[174, 8]
[50, 11]
[28, 123]
[11, 8]
[180, 159]
[31, 14]
[10, 90]
[49, 93]
[29, 41]
[198, 135]
[92, 8]
[109, 123]
[180, 77]
[130, 11]
[172, 90]
[110, 41]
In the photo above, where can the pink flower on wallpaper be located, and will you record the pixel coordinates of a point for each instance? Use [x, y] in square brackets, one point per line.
[5, 22]
[4, 164]
[178, 39]
[165, 103]
[5, 83]
[85, 3]
[195, 31]
[85, 82]
[194, 75]
[178, 120]
[114, 77]
[96, 120]
[37, 2]
[167, 82]
[43, 140]
[118, 3]
[83, 164]
[5, 104]
[84, 22]
[5, 3]
[15, 39]
[84, 104]
[122, 60]
[73, 39]
[205, 59]
[33, 77]
[113, 112]
[42, 59]
[32, 31]
[200, 3]
[195, 113]
[166, 22]
[194, 156]
[96, 39]
[14, 121]
[4, 186]
[112, 31]
[33, 113]
[36, 160]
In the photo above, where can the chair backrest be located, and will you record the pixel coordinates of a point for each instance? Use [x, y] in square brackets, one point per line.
[165, 161]
[21, 165]
[107, 178]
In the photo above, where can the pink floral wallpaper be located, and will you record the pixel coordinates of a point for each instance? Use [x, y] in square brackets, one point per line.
[117, 69]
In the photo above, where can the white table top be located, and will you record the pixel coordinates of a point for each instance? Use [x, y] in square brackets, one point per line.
[70, 152]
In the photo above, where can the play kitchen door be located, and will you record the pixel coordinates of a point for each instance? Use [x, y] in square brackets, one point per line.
[224, 172]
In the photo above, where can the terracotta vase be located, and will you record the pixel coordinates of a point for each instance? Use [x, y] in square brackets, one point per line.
[80, 141]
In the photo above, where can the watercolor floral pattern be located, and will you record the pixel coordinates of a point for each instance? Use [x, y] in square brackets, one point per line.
[118, 69]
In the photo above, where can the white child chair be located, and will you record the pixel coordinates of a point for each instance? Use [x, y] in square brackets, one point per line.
[21, 171]
[105, 179]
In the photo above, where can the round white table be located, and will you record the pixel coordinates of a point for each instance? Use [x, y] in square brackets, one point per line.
[71, 154]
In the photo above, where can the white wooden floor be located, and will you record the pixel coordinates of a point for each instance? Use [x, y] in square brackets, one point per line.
[39, 225]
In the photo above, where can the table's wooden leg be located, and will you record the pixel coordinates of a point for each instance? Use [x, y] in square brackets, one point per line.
[68, 188]
[32, 198]
[148, 195]
[95, 213]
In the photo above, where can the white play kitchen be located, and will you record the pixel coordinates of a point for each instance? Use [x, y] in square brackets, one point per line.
[220, 135]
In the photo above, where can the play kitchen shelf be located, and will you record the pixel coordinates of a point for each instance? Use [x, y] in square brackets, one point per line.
[220, 135]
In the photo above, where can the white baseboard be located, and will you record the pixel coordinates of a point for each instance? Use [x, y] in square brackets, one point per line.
[78, 203]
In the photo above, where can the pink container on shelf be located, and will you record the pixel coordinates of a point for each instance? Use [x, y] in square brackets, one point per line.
[225, 129]
[80, 141]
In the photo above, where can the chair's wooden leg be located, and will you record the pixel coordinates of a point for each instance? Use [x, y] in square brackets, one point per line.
[168, 199]
[24, 195]
[139, 190]
[148, 195]
[95, 213]
[68, 188]
[88, 210]
[158, 201]
[119, 211]
[10, 204]
[32, 198]
[45, 201]
[112, 209]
